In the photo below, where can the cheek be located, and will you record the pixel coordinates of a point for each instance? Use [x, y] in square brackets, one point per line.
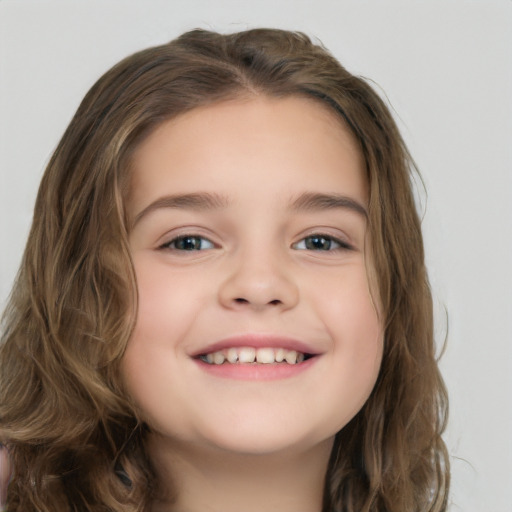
[166, 299]
[352, 319]
[166, 312]
[349, 309]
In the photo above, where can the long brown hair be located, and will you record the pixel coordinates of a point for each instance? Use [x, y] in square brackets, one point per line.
[73, 437]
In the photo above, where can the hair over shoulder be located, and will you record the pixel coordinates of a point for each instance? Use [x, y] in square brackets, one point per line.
[74, 436]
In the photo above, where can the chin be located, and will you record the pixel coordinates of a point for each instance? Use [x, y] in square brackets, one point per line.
[251, 445]
[261, 438]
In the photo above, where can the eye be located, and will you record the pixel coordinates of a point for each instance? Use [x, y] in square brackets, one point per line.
[188, 243]
[320, 243]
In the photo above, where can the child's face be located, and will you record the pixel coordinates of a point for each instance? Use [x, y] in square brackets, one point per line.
[249, 231]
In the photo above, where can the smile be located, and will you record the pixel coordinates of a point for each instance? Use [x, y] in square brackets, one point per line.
[251, 355]
[257, 357]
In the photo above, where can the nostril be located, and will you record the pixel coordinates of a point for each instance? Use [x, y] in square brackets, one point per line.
[274, 302]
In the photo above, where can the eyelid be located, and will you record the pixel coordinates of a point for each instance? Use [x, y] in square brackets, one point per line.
[176, 239]
[183, 233]
[341, 241]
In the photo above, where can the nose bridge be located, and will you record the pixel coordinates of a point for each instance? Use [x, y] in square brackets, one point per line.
[258, 276]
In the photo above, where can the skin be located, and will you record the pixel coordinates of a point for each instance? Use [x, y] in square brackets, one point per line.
[263, 443]
[5, 474]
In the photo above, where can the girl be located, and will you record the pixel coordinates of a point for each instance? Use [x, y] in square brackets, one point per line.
[223, 302]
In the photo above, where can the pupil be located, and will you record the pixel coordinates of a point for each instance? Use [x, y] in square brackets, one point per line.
[318, 242]
[189, 243]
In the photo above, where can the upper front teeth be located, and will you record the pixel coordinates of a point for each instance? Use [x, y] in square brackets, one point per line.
[252, 355]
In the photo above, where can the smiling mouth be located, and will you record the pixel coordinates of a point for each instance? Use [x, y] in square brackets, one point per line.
[254, 356]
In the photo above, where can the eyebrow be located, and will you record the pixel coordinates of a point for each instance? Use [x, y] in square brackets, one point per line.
[201, 201]
[196, 201]
[311, 201]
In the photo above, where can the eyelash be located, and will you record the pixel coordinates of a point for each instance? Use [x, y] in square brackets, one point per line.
[171, 245]
[315, 239]
[319, 237]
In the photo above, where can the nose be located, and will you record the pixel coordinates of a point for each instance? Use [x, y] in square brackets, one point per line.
[259, 282]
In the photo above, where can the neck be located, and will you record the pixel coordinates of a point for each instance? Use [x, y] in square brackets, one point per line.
[219, 481]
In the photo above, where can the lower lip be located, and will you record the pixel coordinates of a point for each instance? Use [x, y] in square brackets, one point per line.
[256, 371]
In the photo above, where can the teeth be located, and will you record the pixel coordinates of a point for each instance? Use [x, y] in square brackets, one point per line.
[232, 355]
[247, 355]
[291, 357]
[218, 358]
[280, 355]
[265, 355]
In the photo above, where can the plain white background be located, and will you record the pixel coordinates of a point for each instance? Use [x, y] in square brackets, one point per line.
[446, 68]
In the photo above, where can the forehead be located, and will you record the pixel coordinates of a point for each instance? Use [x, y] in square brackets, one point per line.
[285, 143]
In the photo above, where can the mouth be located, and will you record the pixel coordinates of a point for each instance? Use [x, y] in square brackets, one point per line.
[254, 356]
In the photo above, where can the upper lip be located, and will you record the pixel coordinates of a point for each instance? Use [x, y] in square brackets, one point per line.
[257, 341]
